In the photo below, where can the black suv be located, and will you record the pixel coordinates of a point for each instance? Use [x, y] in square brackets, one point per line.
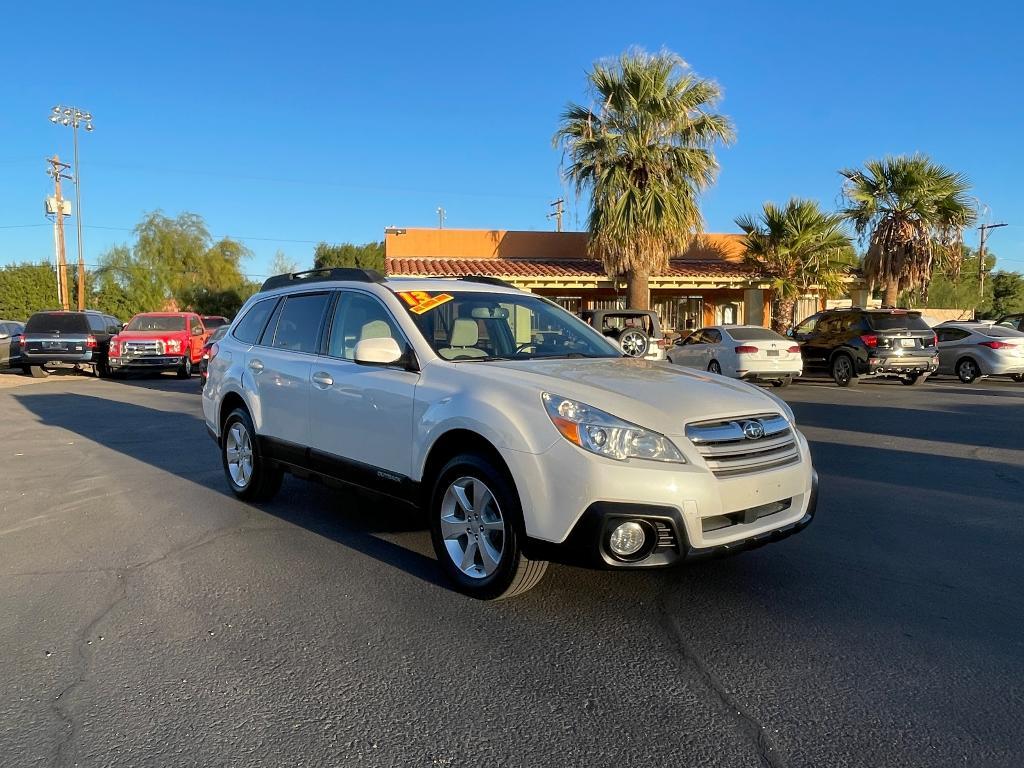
[852, 343]
[1012, 321]
[82, 338]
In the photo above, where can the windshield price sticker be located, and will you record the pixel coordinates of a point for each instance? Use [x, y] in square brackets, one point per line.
[421, 301]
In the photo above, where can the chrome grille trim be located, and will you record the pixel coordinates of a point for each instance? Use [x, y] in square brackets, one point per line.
[143, 348]
[728, 452]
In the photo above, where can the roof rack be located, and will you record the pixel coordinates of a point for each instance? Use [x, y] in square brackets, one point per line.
[487, 280]
[321, 275]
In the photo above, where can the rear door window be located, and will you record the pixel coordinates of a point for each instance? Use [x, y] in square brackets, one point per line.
[57, 322]
[299, 322]
[251, 326]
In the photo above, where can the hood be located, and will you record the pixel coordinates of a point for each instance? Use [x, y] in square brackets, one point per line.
[657, 395]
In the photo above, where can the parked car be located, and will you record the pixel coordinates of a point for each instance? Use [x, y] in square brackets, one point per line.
[741, 351]
[212, 322]
[1016, 322]
[80, 338]
[851, 344]
[159, 341]
[636, 331]
[212, 339]
[521, 448]
[10, 343]
[973, 351]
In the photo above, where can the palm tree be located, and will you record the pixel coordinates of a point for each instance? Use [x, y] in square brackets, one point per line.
[913, 213]
[798, 248]
[644, 154]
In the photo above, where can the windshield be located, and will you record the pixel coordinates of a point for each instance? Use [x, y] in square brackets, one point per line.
[57, 322]
[156, 323]
[754, 334]
[470, 325]
[896, 321]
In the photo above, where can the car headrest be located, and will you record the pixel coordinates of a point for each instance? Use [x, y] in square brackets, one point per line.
[375, 329]
[464, 333]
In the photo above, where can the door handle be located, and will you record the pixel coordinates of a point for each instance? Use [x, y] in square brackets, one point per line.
[255, 366]
[322, 379]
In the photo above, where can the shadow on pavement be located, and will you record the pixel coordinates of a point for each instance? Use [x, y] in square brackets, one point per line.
[177, 442]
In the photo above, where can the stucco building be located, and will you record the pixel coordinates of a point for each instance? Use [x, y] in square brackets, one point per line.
[706, 285]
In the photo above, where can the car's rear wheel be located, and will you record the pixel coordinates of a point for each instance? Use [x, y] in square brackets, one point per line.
[251, 476]
[185, 369]
[102, 369]
[968, 371]
[843, 372]
[477, 532]
[714, 367]
[634, 343]
[1018, 377]
[36, 371]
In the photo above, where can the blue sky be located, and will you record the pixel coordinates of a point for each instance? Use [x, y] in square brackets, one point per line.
[284, 124]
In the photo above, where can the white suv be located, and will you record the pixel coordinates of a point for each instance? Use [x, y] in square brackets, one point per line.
[523, 432]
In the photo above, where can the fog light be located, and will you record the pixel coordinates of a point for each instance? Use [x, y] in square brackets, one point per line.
[627, 539]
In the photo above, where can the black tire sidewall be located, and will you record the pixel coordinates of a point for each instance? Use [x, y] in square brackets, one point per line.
[853, 370]
[251, 490]
[472, 465]
[715, 367]
[959, 367]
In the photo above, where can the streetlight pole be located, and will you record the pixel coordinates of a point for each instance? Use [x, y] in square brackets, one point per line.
[73, 116]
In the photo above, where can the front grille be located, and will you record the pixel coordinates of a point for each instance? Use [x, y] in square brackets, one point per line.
[730, 446]
[133, 348]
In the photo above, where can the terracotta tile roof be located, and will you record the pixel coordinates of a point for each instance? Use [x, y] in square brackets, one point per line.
[540, 268]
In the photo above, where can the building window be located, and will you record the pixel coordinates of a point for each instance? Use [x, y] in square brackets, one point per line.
[619, 302]
[728, 313]
[680, 314]
[572, 304]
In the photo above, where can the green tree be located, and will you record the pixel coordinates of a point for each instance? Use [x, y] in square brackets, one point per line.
[955, 286]
[912, 212]
[366, 256]
[26, 288]
[643, 153]
[1007, 293]
[283, 264]
[798, 248]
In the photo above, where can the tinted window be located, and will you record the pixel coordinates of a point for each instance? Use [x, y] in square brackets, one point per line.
[298, 325]
[897, 321]
[807, 326]
[754, 334]
[995, 332]
[952, 334]
[711, 336]
[357, 317]
[156, 323]
[57, 322]
[251, 326]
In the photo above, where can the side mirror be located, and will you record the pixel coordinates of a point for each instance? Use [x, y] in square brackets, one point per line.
[383, 351]
[790, 332]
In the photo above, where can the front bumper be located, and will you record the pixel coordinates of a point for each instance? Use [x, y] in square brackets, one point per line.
[564, 490]
[149, 363]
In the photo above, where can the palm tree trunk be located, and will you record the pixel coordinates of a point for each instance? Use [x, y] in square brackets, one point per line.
[892, 294]
[638, 291]
[782, 314]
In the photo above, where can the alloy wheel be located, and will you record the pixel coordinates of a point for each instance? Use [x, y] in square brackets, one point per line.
[633, 343]
[472, 527]
[238, 451]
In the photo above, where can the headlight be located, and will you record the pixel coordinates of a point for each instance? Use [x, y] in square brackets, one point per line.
[604, 434]
[174, 345]
[786, 410]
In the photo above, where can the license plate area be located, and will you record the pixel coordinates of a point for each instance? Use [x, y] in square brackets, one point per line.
[773, 353]
[908, 343]
[54, 345]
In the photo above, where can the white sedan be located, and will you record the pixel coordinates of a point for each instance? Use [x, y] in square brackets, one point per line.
[741, 351]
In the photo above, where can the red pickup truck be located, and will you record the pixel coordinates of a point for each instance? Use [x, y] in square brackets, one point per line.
[159, 341]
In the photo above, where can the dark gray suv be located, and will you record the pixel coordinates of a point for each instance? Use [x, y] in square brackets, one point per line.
[81, 338]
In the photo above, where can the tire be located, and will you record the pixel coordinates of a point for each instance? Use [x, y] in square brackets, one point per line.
[185, 369]
[967, 370]
[843, 370]
[261, 481]
[1018, 377]
[714, 367]
[914, 379]
[785, 381]
[486, 563]
[102, 369]
[634, 343]
[37, 371]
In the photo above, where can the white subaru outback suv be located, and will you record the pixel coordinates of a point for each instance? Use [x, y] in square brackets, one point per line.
[522, 431]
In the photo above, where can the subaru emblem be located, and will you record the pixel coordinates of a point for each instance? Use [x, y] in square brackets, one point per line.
[753, 430]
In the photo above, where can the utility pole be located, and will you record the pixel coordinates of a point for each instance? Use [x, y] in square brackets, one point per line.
[983, 229]
[73, 117]
[442, 214]
[57, 172]
[557, 213]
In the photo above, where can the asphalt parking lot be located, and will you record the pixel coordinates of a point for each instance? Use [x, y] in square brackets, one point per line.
[150, 619]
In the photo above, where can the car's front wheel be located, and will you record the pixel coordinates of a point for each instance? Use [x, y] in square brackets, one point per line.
[477, 533]
[185, 369]
[1018, 377]
[251, 476]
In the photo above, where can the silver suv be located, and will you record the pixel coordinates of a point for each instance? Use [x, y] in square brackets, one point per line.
[526, 434]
